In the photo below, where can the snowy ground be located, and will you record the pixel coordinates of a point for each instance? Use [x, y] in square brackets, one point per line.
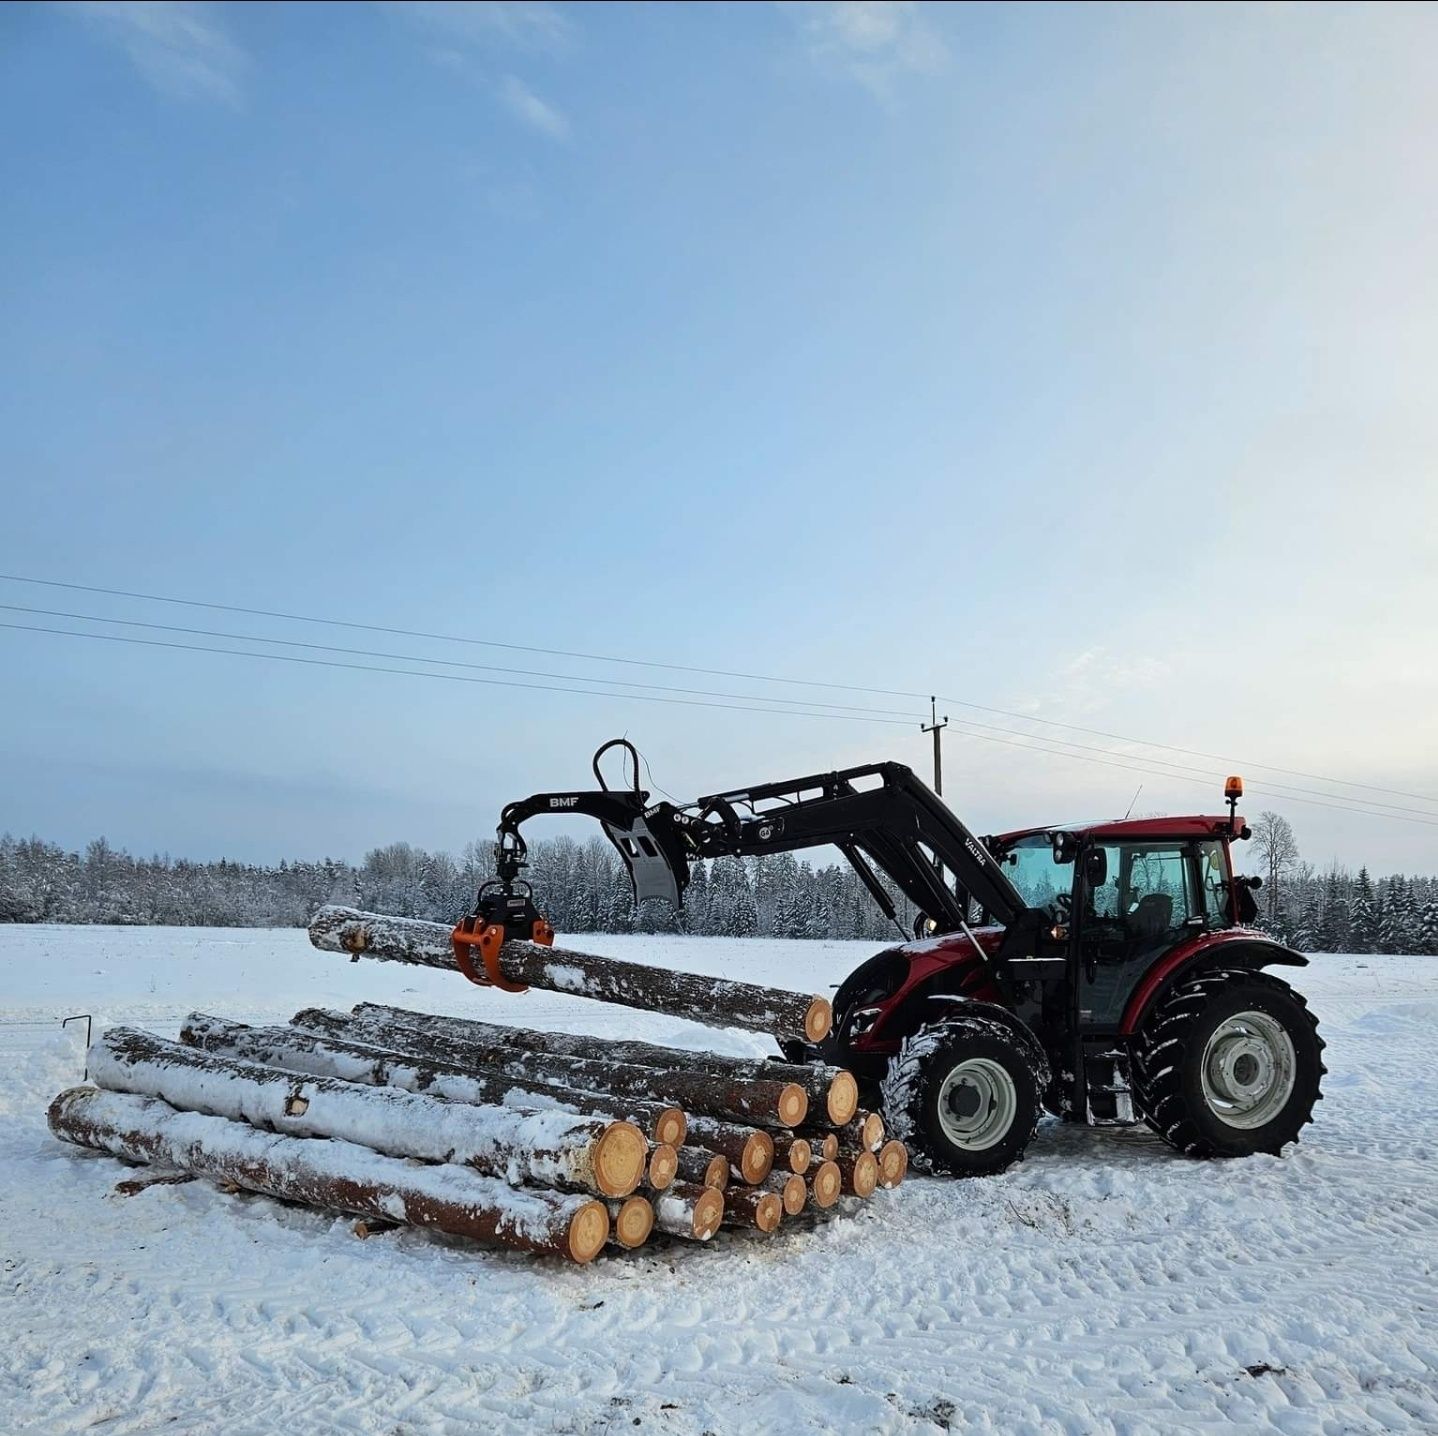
[1103, 1285]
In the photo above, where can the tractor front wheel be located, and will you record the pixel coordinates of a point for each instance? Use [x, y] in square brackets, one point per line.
[965, 1093]
[1228, 1064]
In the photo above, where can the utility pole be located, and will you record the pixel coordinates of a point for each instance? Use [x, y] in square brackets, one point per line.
[936, 727]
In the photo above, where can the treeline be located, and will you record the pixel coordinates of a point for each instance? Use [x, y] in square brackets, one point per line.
[583, 887]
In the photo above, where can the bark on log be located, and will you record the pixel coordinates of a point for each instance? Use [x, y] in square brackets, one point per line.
[753, 1207]
[632, 1220]
[859, 1172]
[792, 1152]
[826, 1184]
[832, 1091]
[714, 1001]
[703, 1167]
[689, 1211]
[790, 1189]
[336, 1175]
[864, 1132]
[893, 1160]
[663, 1167]
[322, 1056]
[549, 1148]
[749, 1152]
[770, 1102]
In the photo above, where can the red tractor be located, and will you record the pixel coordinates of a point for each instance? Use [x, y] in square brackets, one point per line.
[1105, 972]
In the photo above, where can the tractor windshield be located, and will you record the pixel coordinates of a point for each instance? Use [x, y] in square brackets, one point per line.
[1040, 880]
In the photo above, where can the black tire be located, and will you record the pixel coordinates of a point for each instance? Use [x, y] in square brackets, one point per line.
[1012, 1075]
[1184, 1105]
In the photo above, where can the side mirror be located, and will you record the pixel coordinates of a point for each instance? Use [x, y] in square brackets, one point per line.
[1066, 846]
[1095, 867]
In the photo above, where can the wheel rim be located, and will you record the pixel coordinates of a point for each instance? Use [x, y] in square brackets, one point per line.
[977, 1103]
[1248, 1070]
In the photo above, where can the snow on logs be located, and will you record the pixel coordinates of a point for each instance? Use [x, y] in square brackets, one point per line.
[712, 1000]
[338, 1175]
[547, 1148]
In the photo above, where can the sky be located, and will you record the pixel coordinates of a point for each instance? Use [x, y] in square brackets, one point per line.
[1071, 362]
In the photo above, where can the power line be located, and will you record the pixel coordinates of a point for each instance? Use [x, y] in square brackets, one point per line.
[714, 672]
[1028, 742]
[448, 662]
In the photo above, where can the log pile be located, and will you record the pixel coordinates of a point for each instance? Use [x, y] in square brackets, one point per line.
[553, 1143]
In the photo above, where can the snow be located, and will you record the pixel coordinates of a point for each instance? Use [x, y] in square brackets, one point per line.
[1103, 1285]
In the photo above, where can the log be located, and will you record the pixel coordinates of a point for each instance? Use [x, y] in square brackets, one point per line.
[715, 1001]
[336, 1175]
[832, 1091]
[792, 1152]
[733, 1100]
[859, 1172]
[893, 1158]
[703, 1167]
[689, 1211]
[548, 1148]
[321, 1056]
[632, 1220]
[753, 1207]
[749, 1152]
[864, 1132]
[663, 1167]
[826, 1185]
[826, 1148]
[790, 1189]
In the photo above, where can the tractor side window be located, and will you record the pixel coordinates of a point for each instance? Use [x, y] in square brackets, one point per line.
[1158, 895]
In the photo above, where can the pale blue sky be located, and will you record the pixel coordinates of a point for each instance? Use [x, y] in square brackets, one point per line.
[1077, 361]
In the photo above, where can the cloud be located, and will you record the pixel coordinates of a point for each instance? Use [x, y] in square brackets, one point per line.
[523, 103]
[182, 49]
[524, 26]
[877, 42]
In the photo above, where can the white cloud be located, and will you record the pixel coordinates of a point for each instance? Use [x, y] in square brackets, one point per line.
[182, 49]
[523, 103]
[526, 26]
[877, 42]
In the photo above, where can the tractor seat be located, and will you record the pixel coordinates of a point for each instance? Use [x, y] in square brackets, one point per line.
[1151, 918]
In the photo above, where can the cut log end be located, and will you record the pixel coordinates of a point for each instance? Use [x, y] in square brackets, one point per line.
[794, 1194]
[893, 1161]
[708, 1213]
[860, 1174]
[826, 1183]
[793, 1105]
[843, 1099]
[757, 1159]
[828, 1147]
[633, 1220]
[670, 1127]
[768, 1212]
[619, 1157]
[873, 1131]
[716, 1173]
[819, 1019]
[690, 1211]
[800, 1156]
[663, 1166]
[588, 1231]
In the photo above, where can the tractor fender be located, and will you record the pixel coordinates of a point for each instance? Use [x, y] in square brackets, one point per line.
[949, 1004]
[1233, 948]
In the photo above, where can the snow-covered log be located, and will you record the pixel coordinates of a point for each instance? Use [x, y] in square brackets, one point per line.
[774, 1103]
[326, 1056]
[712, 1000]
[340, 1176]
[832, 1091]
[686, 1210]
[859, 1173]
[794, 1153]
[755, 1207]
[632, 1221]
[703, 1167]
[549, 1148]
[749, 1152]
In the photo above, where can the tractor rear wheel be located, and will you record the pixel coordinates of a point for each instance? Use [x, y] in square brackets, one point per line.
[965, 1093]
[1228, 1064]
